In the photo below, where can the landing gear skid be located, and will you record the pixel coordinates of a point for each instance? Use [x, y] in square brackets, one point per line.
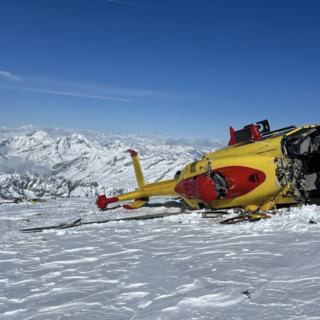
[251, 217]
[241, 217]
[214, 213]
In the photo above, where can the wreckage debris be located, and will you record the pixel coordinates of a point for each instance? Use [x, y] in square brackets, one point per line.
[79, 222]
[251, 217]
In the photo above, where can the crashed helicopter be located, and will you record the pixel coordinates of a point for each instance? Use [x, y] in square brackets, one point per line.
[259, 170]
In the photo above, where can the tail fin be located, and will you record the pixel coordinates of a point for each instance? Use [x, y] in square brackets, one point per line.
[142, 195]
[137, 169]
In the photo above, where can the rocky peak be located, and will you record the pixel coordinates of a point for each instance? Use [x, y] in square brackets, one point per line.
[75, 157]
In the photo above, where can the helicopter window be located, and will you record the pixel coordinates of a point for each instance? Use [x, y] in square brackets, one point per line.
[193, 166]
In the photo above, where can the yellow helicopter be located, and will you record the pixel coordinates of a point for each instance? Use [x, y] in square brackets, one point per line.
[259, 170]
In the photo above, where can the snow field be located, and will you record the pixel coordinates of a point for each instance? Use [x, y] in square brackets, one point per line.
[178, 267]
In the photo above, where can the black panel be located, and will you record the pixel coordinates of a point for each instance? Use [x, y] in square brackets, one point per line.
[243, 135]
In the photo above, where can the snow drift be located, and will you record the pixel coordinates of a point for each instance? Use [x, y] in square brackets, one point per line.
[179, 267]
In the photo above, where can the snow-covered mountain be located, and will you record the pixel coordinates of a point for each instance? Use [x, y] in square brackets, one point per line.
[104, 160]
[33, 186]
[103, 138]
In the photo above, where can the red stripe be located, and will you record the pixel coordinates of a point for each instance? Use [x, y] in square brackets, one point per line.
[133, 153]
[241, 180]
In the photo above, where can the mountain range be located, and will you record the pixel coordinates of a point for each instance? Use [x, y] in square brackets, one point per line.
[36, 160]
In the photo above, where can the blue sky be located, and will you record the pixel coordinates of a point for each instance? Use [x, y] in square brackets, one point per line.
[169, 67]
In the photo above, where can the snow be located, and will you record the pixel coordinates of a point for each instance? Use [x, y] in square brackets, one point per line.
[104, 138]
[4, 176]
[178, 267]
[78, 158]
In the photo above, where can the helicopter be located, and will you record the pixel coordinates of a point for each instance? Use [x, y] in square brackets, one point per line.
[259, 170]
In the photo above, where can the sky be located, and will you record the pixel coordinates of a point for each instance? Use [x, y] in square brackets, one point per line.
[184, 69]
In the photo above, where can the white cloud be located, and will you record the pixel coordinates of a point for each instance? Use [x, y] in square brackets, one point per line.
[93, 90]
[76, 94]
[87, 88]
[8, 75]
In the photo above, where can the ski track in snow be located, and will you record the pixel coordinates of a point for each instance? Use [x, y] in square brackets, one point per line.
[178, 267]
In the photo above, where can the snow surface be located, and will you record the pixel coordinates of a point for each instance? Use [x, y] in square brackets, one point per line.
[178, 267]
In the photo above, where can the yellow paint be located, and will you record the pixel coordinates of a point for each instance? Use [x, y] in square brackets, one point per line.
[162, 188]
[270, 205]
[256, 197]
[258, 155]
[251, 207]
[138, 203]
[137, 169]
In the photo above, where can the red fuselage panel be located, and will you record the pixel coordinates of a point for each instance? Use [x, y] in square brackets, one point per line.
[241, 180]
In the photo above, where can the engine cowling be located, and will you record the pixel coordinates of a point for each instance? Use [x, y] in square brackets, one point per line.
[199, 187]
[205, 189]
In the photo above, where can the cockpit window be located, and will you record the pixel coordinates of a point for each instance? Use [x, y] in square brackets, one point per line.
[193, 166]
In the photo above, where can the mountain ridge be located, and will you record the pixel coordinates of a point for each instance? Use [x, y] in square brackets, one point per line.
[104, 161]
